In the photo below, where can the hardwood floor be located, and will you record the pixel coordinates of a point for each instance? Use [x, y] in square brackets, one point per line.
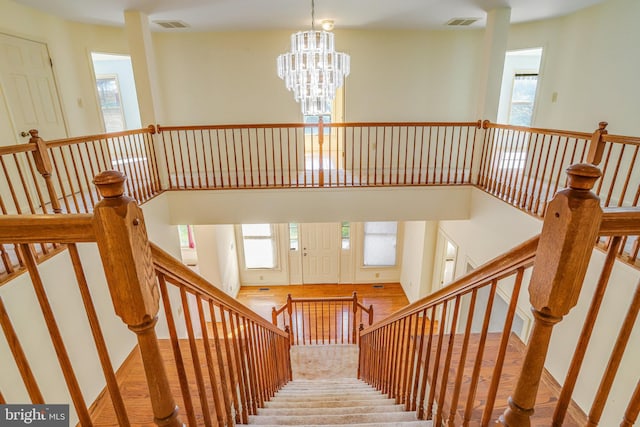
[385, 299]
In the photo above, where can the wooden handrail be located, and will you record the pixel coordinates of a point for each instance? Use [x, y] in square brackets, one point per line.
[62, 228]
[522, 255]
[571, 134]
[312, 125]
[171, 267]
[151, 129]
[620, 222]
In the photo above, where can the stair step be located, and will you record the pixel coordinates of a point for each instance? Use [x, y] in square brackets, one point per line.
[331, 411]
[329, 397]
[390, 424]
[327, 404]
[329, 394]
[342, 419]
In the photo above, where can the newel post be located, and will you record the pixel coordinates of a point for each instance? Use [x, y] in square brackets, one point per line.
[569, 232]
[596, 148]
[42, 159]
[126, 257]
[354, 333]
[290, 312]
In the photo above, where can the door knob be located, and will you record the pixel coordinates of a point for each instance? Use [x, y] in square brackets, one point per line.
[24, 134]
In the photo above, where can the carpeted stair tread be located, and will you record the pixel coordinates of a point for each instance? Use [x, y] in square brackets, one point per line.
[342, 419]
[331, 410]
[334, 402]
[326, 404]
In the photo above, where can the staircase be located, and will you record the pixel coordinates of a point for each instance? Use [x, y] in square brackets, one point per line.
[325, 392]
[333, 402]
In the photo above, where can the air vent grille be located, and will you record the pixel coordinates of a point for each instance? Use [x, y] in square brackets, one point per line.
[462, 22]
[172, 24]
[378, 286]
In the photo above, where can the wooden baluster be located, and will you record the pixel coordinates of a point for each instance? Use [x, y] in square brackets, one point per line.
[631, 414]
[274, 316]
[42, 159]
[214, 379]
[195, 358]
[436, 363]
[253, 388]
[221, 365]
[242, 371]
[128, 265]
[569, 231]
[19, 357]
[234, 376]
[177, 353]
[399, 366]
[475, 375]
[55, 335]
[447, 364]
[418, 362]
[407, 365]
[235, 367]
[98, 337]
[613, 365]
[463, 358]
[596, 148]
[425, 367]
[564, 399]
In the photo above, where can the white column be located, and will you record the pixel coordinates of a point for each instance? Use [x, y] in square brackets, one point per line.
[144, 72]
[494, 51]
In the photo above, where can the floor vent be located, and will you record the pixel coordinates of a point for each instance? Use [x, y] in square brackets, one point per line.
[264, 289]
[378, 286]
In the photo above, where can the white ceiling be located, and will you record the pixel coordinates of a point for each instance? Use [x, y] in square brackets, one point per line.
[225, 15]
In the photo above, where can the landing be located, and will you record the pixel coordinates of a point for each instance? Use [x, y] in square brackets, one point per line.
[324, 361]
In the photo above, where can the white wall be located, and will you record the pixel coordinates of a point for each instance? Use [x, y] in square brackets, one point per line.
[591, 59]
[60, 284]
[217, 256]
[418, 258]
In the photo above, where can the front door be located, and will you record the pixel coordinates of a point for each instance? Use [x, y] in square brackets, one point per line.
[27, 83]
[320, 252]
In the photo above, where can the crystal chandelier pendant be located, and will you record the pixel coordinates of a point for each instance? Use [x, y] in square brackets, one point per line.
[313, 70]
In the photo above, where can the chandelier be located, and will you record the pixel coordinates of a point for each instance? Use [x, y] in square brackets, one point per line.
[313, 70]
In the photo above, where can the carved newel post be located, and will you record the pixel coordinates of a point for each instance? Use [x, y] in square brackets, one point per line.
[128, 265]
[569, 232]
[42, 160]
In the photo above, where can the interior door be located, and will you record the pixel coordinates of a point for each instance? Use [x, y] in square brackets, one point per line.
[27, 83]
[320, 252]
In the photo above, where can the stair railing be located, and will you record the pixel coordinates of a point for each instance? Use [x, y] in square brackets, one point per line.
[218, 363]
[331, 320]
[434, 357]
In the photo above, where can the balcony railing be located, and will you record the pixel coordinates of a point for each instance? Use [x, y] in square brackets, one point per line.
[522, 166]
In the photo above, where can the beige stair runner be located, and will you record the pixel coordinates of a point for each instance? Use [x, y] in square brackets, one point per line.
[308, 401]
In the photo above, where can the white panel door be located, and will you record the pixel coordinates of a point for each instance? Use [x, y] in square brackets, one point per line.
[320, 252]
[27, 83]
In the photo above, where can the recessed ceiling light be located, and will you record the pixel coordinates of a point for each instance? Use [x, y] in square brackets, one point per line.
[327, 24]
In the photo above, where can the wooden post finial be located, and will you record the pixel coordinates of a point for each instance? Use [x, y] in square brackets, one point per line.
[42, 160]
[110, 184]
[34, 133]
[583, 176]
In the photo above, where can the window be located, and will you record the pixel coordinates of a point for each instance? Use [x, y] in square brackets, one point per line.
[259, 246]
[345, 232]
[294, 240]
[522, 96]
[380, 244]
[186, 236]
[326, 119]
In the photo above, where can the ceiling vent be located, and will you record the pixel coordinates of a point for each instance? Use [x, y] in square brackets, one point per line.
[462, 22]
[170, 25]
